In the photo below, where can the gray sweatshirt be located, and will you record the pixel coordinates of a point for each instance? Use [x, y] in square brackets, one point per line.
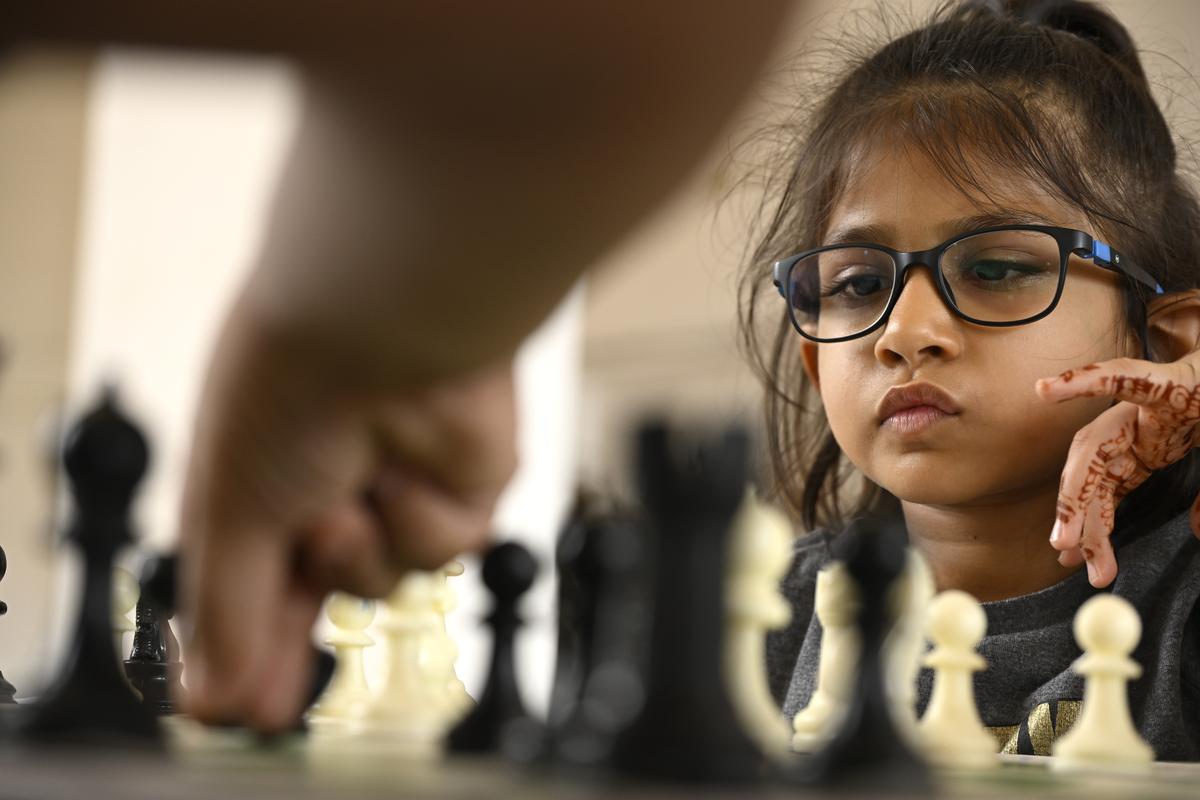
[1028, 695]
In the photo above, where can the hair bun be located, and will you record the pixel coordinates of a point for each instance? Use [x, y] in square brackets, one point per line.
[1085, 20]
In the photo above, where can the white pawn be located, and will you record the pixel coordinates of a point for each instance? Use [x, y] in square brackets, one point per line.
[760, 555]
[952, 734]
[442, 652]
[348, 696]
[836, 605]
[405, 711]
[125, 597]
[1107, 628]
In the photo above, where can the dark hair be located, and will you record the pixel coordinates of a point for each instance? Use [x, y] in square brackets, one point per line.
[1053, 90]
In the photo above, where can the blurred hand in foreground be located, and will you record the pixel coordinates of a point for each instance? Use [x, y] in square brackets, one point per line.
[303, 481]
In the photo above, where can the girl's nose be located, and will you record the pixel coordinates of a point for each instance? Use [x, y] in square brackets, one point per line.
[921, 326]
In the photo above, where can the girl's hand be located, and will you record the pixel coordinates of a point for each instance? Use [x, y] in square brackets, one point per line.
[1153, 426]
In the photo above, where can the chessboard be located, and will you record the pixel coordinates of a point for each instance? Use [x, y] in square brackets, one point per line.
[203, 763]
[660, 687]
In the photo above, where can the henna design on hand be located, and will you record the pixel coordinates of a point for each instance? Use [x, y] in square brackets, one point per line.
[1153, 425]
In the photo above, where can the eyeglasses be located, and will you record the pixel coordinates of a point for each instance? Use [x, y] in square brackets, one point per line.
[998, 277]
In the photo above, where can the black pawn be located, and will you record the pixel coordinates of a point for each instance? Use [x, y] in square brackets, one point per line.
[91, 702]
[153, 667]
[868, 751]
[8, 692]
[499, 723]
[597, 681]
[687, 729]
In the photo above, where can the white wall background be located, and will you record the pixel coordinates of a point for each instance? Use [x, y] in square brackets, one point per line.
[182, 153]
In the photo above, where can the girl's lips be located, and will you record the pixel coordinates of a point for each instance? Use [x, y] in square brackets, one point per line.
[915, 419]
[912, 395]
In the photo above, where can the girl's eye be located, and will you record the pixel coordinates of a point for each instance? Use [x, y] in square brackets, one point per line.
[863, 285]
[1001, 272]
[991, 270]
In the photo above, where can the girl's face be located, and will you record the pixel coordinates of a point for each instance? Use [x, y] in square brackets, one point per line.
[1006, 442]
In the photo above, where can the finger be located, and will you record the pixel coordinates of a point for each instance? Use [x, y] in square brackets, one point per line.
[1093, 448]
[1128, 379]
[1095, 545]
[284, 677]
[429, 525]
[348, 550]
[464, 437]
[233, 580]
[1071, 558]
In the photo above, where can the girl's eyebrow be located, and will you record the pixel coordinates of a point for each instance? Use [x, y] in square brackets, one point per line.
[858, 234]
[885, 234]
[992, 219]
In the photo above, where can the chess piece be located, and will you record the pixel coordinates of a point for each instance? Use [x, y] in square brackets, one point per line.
[868, 751]
[575, 562]
[499, 724]
[836, 606]
[1107, 628]
[348, 697]
[951, 732]
[158, 679]
[687, 729]
[760, 555]
[597, 681]
[125, 598]
[905, 646]
[153, 666]
[105, 459]
[8, 693]
[442, 653]
[405, 711]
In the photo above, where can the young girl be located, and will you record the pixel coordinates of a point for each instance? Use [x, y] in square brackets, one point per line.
[988, 201]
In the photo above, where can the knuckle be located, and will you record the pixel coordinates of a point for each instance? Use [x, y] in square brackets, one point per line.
[1082, 437]
[1189, 376]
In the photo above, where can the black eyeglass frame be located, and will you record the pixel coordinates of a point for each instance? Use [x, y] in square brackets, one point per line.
[1070, 242]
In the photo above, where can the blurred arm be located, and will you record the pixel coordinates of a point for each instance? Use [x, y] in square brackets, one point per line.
[458, 164]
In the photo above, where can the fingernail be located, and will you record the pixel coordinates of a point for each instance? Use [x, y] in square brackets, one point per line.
[1056, 532]
[1093, 573]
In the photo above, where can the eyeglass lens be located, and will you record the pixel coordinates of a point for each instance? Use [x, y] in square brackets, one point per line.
[1000, 276]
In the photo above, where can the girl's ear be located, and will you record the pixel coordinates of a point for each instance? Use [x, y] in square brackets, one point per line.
[808, 355]
[1173, 322]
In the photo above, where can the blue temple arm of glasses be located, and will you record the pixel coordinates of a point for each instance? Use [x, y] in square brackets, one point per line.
[1105, 256]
